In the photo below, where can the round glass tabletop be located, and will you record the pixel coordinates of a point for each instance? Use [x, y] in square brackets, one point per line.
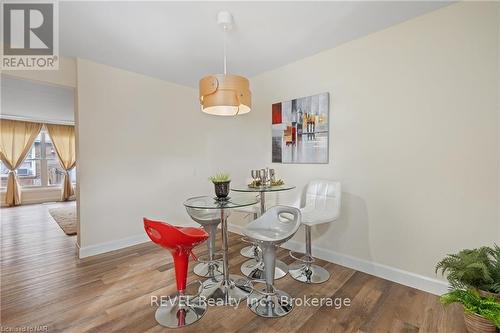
[246, 188]
[209, 202]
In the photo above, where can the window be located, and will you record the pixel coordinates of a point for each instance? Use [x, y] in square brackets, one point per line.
[41, 166]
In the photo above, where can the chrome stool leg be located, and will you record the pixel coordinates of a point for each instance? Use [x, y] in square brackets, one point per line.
[254, 268]
[180, 309]
[212, 266]
[251, 250]
[303, 269]
[208, 268]
[269, 302]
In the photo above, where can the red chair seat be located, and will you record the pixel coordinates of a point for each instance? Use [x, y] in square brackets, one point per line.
[179, 241]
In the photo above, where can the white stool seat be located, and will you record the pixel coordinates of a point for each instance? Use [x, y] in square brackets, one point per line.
[311, 216]
[277, 225]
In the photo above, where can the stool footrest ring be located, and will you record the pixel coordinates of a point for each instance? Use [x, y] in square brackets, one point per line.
[302, 257]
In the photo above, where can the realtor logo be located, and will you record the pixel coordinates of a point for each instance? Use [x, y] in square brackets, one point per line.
[29, 38]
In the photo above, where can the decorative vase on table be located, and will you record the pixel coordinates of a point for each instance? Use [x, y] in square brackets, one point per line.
[221, 183]
[222, 189]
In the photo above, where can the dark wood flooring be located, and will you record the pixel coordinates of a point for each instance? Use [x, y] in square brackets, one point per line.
[44, 283]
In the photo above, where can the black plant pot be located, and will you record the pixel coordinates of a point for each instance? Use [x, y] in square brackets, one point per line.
[222, 189]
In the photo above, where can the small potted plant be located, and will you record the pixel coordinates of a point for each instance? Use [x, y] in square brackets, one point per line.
[481, 315]
[477, 269]
[221, 183]
[474, 277]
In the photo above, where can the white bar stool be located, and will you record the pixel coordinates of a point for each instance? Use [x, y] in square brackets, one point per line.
[322, 205]
[273, 228]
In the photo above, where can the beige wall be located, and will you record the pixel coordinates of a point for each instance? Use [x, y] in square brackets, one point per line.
[144, 148]
[414, 136]
[498, 108]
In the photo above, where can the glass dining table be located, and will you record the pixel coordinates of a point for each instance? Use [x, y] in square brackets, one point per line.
[229, 289]
[262, 190]
[254, 268]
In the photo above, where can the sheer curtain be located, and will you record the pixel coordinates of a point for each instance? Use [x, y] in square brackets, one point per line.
[16, 139]
[63, 138]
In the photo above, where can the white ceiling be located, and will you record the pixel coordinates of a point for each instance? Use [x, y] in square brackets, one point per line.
[30, 100]
[181, 42]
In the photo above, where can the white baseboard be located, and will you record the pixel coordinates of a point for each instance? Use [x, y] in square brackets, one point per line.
[92, 250]
[430, 285]
[433, 286]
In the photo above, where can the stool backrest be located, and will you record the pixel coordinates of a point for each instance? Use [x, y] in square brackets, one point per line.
[324, 195]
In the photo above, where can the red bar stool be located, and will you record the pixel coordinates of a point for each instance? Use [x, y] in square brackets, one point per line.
[180, 309]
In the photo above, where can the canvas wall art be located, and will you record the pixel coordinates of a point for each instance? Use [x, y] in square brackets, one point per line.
[300, 130]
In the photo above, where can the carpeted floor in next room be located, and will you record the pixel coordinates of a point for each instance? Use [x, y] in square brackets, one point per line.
[64, 215]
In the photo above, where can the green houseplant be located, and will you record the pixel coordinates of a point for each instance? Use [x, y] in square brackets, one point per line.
[480, 314]
[495, 271]
[476, 268]
[221, 183]
[474, 277]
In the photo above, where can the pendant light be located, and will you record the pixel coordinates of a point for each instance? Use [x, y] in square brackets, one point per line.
[225, 94]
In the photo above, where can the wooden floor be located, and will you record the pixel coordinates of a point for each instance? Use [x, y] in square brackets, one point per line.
[43, 283]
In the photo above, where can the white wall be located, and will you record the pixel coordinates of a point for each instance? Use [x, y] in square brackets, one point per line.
[414, 136]
[144, 147]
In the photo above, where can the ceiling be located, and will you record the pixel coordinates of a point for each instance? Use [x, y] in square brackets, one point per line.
[26, 99]
[181, 42]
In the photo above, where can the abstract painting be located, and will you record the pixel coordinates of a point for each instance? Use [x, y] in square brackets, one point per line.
[300, 130]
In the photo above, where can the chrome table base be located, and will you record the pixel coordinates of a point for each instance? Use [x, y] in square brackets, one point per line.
[209, 269]
[177, 312]
[308, 273]
[255, 270]
[219, 291]
[273, 305]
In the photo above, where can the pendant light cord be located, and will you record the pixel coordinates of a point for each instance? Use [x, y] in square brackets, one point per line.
[225, 65]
